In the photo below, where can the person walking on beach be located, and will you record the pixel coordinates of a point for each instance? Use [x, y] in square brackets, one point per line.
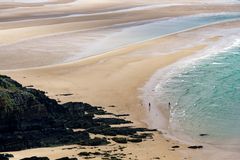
[169, 105]
[149, 106]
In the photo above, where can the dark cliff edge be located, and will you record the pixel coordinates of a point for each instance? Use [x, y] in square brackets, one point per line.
[29, 119]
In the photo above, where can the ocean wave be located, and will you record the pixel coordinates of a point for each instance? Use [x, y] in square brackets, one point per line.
[214, 85]
[191, 88]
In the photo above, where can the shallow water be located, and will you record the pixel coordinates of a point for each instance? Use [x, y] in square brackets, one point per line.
[205, 99]
[103, 40]
[150, 30]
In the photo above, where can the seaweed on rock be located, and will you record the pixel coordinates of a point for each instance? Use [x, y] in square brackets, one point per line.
[29, 119]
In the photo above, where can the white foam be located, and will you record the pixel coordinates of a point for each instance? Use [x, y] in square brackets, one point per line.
[156, 82]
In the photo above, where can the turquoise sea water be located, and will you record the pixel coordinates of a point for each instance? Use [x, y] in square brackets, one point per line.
[205, 99]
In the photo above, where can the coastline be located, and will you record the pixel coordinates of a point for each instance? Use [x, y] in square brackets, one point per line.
[115, 78]
[65, 37]
[107, 84]
[161, 111]
[219, 45]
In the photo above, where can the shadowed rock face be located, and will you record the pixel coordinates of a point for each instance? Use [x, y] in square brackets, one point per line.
[29, 119]
[23, 109]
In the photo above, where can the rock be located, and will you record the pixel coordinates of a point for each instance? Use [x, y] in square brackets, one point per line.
[114, 158]
[135, 140]
[95, 142]
[97, 153]
[36, 158]
[9, 155]
[203, 135]
[112, 106]
[30, 119]
[90, 153]
[122, 115]
[6, 156]
[195, 147]
[3, 157]
[111, 121]
[104, 155]
[67, 158]
[113, 131]
[30, 86]
[84, 154]
[65, 94]
[119, 140]
[142, 135]
[175, 146]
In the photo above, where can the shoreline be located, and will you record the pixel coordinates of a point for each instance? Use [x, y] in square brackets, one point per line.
[50, 26]
[116, 78]
[64, 62]
[161, 113]
[225, 42]
[148, 89]
[100, 87]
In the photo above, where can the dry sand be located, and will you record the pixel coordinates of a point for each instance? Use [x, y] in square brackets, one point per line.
[33, 22]
[30, 30]
[113, 78]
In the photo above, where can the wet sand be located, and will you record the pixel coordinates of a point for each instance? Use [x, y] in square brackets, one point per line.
[116, 77]
[61, 29]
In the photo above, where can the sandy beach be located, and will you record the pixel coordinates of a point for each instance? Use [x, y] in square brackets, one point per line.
[114, 78]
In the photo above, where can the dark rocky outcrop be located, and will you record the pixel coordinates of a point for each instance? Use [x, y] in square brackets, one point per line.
[5, 156]
[114, 131]
[175, 146]
[120, 139]
[105, 155]
[29, 119]
[142, 135]
[135, 140]
[67, 158]
[195, 147]
[36, 158]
